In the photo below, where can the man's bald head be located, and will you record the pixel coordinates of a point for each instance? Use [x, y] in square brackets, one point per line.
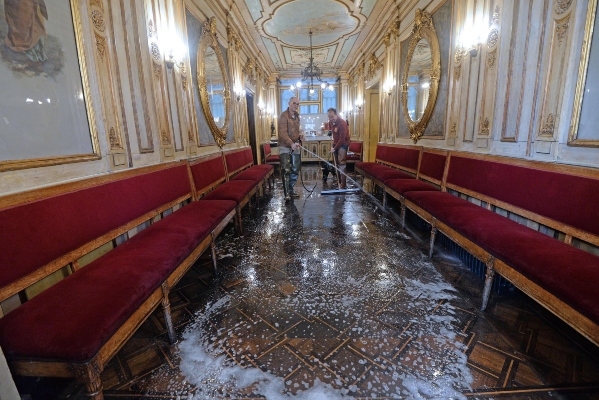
[293, 104]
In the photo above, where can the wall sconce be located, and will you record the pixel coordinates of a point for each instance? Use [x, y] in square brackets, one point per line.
[388, 87]
[174, 49]
[239, 92]
[170, 60]
[472, 38]
[359, 103]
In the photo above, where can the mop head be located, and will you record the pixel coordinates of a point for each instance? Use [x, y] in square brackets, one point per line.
[340, 191]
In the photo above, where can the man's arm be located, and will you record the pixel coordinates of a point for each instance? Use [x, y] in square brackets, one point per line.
[342, 131]
[283, 134]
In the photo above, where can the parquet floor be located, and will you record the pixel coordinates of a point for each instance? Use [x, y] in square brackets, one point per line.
[328, 290]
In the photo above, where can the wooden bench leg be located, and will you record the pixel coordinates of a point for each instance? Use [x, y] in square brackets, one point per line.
[166, 310]
[433, 234]
[90, 375]
[213, 252]
[384, 198]
[271, 180]
[489, 275]
[238, 222]
[402, 215]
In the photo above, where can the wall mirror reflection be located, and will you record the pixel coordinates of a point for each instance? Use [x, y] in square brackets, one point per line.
[419, 80]
[215, 87]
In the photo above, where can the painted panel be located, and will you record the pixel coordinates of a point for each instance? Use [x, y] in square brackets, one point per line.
[42, 101]
[347, 46]
[272, 51]
[308, 15]
[255, 8]
[367, 6]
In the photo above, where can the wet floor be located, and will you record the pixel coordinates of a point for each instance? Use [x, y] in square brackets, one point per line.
[325, 297]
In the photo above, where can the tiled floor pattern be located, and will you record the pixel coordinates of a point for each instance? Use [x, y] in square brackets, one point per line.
[328, 289]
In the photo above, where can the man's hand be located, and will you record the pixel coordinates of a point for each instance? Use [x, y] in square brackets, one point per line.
[332, 150]
[295, 146]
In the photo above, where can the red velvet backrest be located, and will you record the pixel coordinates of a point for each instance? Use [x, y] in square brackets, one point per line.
[35, 234]
[238, 159]
[207, 173]
[401, 156]
[266, 150]
[565, 198]
[432, 165]
[355, 147]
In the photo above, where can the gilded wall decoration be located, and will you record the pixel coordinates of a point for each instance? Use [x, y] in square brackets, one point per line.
[423, 59]
[562, 30]
[491, 59]
[100, 45]
[485, 130]
[442, 21]
[562, 5]
[585, 119]
[492, 38]
[98, 20]
[47, 113]
[373, 66]
[548, 126]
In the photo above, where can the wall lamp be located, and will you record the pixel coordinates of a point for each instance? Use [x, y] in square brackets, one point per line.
[472, 37]
[239, 92]
[359, 103]
[388, 87]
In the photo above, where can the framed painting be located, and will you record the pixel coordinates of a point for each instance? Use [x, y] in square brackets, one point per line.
[583, 126]
[46, 116]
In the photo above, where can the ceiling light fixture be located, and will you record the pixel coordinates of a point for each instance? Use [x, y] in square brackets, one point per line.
[310, 73]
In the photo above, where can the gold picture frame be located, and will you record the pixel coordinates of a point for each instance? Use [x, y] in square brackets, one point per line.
[12, 165]
[423, 29]
[583, 68]
[209, 39]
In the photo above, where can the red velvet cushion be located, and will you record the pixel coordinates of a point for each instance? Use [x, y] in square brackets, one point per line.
[34, 234]
[266, 148]
[382, 172]
[235, 190]
[72, 320]
[273, 158]
[262, 167]
[567, 272]
[432, 165]
[251, 174]
[405, 157]
[561, 197]
[238, 159]
[355, 147]
[207, 173]
[365, 165]
[402, 186]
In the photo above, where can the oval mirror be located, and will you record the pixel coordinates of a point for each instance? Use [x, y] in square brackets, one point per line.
[421, 73]
[419, 80]
[215, 87]
[213, 83]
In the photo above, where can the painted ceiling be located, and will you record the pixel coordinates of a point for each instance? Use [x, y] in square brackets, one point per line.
[282, 28]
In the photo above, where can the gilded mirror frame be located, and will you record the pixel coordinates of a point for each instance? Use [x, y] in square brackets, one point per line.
[423, 29]
[209, 39]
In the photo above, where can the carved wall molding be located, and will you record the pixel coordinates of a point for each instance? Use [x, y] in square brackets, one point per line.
[561, 6]
[373, 66]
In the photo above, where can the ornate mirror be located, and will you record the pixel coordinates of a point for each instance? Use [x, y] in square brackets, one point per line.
[421, 72]
[214, 83]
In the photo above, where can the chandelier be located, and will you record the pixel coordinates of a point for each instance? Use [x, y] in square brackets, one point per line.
[311, 73]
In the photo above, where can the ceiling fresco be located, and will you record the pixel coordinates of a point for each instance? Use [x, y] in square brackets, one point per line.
[283, 26]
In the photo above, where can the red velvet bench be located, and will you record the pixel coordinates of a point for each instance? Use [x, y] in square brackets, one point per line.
[431, 168]
[354, 153]
[240, 166]
[555, 273]
[210, 181]
[77, 325]
[269, 158]
[392, 162]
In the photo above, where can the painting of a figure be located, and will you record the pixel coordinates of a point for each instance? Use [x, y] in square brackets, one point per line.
[26, 21]
[43, 112]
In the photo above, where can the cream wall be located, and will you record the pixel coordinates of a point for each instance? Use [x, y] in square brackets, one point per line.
[144, 110]
[515, 98]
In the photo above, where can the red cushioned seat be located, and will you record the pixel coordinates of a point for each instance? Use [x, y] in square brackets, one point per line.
[251, 174]
[235, 190]
[402, 186]
[365, 165]
[262, 167]
[383, 172]
[567, 272]
[73, 319]
[273, 158]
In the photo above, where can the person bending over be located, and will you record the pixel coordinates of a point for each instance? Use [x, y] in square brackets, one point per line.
[340, 144]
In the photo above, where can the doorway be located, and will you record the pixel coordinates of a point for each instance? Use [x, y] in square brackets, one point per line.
[249, 100]
[371, 122]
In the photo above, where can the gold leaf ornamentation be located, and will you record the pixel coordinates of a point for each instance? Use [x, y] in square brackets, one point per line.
[549, 126]
[98, 20]
[100, 45]
[485, 130]
[562, 30]
[561, 6]
[491, 58]
[115, 143]
[492, 38]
